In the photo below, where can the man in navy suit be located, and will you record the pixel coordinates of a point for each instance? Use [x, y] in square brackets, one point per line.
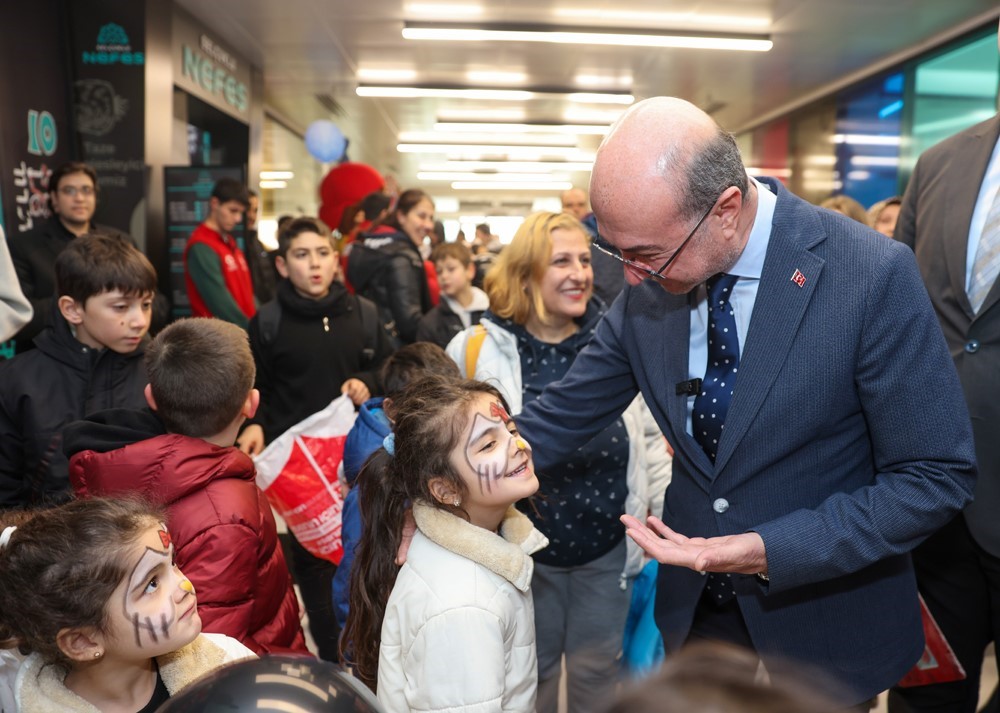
[844, 441]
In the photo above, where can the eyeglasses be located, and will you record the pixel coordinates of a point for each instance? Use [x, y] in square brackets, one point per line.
[72, 191]
[608, 249]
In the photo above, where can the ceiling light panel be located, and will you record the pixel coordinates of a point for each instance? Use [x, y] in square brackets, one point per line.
[508, 166]
[412, 137]
[490, 77]
[374, 74]
[665, 19]
[451, 92]
[499, 177]
[513, 185]
[512, 128]
[529, 152]
[584, 36]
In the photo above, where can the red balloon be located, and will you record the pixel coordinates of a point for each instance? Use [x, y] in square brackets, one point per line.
[345, 185]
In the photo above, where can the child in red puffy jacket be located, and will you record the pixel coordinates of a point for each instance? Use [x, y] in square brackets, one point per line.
[201, 375]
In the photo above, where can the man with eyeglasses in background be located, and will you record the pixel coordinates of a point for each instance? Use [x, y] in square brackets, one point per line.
[793, 361]
[73, 200]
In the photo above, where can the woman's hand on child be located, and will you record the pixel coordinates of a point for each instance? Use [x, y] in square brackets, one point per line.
[356, 390]
[251, 440]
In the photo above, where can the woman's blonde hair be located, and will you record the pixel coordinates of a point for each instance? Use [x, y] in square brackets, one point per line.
[512, 280]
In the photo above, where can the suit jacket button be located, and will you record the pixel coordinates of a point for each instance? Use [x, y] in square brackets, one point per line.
[972, 346]
[720, 505]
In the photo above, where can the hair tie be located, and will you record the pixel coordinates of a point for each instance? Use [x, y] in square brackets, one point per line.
[389, 443]
[5, 536]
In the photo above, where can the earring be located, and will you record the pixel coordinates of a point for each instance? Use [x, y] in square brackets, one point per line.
[457, 501]
[98, 654]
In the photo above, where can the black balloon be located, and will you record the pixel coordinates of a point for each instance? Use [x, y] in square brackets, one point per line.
[275, 683]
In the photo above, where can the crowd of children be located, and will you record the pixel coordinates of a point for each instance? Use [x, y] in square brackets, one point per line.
[126, 460]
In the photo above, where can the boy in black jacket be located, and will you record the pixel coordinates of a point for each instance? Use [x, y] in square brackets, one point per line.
[89, 359]
[314, 342]
[462, 304]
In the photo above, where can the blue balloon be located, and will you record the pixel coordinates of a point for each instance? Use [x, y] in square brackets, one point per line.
[324, 141]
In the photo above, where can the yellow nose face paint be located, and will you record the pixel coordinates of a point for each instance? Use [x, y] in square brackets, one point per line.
[187, 586]
[521, 444]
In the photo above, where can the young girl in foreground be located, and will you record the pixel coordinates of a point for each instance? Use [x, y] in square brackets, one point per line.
[456, 622]
[90, 591]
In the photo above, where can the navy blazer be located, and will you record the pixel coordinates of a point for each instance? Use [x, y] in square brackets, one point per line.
[846, 444]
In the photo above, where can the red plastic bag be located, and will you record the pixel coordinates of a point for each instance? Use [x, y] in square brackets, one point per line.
[939, 663]
[299, 474]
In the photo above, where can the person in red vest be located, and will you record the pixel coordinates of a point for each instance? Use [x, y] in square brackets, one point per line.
[215, 271]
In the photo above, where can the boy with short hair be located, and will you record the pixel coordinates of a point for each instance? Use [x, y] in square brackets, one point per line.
[201, 376]
[215, 270]
[374, 423]
[88, 359]
[462, 303]
[312, 343]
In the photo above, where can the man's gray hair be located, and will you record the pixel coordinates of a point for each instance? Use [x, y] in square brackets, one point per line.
[711, 171]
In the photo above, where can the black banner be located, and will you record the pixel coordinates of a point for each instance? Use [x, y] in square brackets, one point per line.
[108, 58]
[188, 191]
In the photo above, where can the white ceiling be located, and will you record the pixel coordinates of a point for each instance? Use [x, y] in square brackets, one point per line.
[316, 48]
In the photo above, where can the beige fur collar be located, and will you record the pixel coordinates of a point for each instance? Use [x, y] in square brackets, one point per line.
[508, 555]
[41, 687]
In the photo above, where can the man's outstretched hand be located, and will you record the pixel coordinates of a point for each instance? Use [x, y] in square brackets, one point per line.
[742, 553]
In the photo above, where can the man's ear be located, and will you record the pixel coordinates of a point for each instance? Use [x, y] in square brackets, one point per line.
[71, 310]
[252, 403]
[443, 490]
[281, 266]
[148, 393]
[80, 643]
[730, 206]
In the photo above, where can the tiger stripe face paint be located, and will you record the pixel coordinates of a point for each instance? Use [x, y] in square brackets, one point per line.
[157, 611]
[493, 461]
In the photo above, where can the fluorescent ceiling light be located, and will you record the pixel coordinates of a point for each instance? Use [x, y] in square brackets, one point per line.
[445, 93]
[484, 137]
[458, 114]
[491, 77]
[508, 166]
[579, 115]
[875, 161]
[273, 184]
[584, 36]
[373, 74]
[492, 150]
[666, 19]
[276, 175]
[446, 10]
[596, 80]
[571, 129]
[489, 94]
[865, 139]
[513, 186]
[498, 177]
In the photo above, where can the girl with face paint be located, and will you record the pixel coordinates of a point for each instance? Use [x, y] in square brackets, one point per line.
[454, 626]
[91, 592]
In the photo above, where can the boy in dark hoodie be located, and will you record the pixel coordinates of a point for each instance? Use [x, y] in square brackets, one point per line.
[313, 343]
[201, 375]
[88, 359]
[374, 423]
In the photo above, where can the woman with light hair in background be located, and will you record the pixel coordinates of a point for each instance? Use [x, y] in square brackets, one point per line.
[845, 205]
[883, 215]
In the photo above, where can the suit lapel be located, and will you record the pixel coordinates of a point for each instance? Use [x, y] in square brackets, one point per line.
[975, 153]
[669, 366]
[959, 206]
[780, 305]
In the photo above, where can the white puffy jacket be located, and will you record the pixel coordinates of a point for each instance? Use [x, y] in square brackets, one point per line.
[459, 627]
[649, 462]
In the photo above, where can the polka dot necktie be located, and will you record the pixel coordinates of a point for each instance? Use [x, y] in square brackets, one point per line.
[712, 402]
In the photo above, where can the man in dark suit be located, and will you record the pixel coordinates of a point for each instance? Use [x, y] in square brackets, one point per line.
[951, 218]
[845, 439]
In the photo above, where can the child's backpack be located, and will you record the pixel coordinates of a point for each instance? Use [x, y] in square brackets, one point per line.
[269, 319]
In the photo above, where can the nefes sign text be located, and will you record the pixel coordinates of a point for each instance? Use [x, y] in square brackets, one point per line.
[214, 79]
